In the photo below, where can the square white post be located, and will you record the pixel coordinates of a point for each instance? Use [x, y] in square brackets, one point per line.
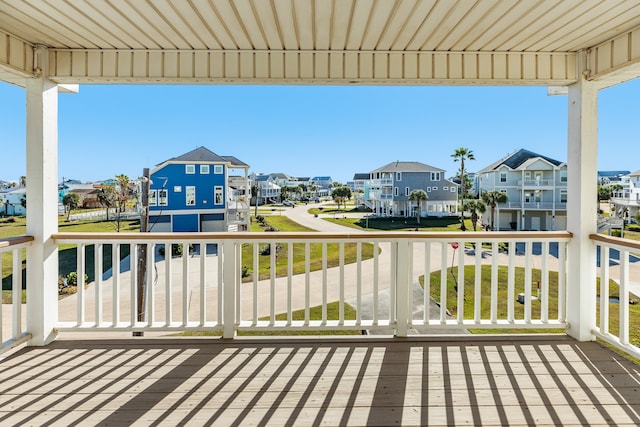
[582, 166]
[42, 203]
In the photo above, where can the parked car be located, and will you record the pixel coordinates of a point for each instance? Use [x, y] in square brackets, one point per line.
[287, 203]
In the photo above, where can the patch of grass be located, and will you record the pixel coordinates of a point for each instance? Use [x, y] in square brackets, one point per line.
[7, 297]
[448, 224]
[315, 313]
[67, 253]
[519, 279]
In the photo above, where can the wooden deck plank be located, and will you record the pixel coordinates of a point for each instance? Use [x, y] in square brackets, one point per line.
[304, 382]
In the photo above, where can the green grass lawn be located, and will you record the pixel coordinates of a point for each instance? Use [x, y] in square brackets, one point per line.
[469, 287]
[283, 223]
[315, 313]
[402, 224]
[67, 252]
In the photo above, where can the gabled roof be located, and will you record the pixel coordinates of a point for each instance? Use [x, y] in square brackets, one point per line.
[360, 176]
[516, 159]
[321, 178]
[614, 174]
[204, 155]
[636, 173]
[279, 175]
[398, 166]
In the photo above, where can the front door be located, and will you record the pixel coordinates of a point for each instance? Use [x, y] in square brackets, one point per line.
[535, 223]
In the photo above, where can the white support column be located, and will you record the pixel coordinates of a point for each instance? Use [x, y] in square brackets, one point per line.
[42, 198]
[582, 162]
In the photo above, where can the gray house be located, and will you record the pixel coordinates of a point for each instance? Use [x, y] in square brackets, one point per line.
[536, 188]
[388, 189]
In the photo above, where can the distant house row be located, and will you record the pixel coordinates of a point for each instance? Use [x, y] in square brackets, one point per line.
[626, 199]
[535, 185]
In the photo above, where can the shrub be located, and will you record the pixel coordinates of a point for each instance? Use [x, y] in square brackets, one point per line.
[176, 250]
[245, 271]
[633, 227]
[72, 279]
[616, 233]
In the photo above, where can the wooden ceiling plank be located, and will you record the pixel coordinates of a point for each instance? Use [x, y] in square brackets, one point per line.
[213, 26]
[407, 31]
[341, 24]
[322, 26]
[303, 13]
[229, 20]
[450, 21]
[378, 22]
[196, 24]
[250, 24]
[287, 24]
[396, 24]
[476, 22]
[437, 14]
[139, 23]
[119, 23]
[267, 20]
[56, 34]
[159, 23]
[172, 13]
[360, 20]
[618, 18]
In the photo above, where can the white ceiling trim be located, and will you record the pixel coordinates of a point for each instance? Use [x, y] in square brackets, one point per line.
[337, 67]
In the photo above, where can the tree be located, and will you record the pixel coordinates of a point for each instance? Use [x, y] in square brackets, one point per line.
[254, 192]
[122, 196]
[23, 181]
[107, 197]
[492, 199]
[418, 196]
[474, 206]
[71, 201]
[461, 154]
[341, 195]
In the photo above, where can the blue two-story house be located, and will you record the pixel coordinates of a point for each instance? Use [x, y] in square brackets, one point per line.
[196, 192]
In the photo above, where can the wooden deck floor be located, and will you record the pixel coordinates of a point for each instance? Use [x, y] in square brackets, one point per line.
[314, 382]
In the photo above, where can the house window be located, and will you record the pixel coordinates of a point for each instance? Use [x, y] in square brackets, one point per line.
[153, 197]
[428, 189]
[453, 189]
[563, 196]
[445, 188]
[435, 188]
[163, 198]
[395, 191]
[190, 192]
[217, 195]
[177, 189]
[190, 169]
[527, 197]
[563, 176]
[398, 176]
[503, 177]
[218, 169]
[406, 191]
[204, 169]
[435, 176]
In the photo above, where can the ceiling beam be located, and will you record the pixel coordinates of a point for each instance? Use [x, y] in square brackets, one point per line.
[306, 67]
[16, 59]
[616, 60]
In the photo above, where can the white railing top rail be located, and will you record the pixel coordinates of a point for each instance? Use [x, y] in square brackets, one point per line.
[616, 242]
[497, 236]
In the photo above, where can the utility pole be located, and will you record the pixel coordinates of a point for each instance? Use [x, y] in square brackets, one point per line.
[142, 249]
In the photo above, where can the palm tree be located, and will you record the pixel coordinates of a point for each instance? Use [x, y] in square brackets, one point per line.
[23, 181]
[71, 201]
[107, 197]
[462, 154]
[418, 196]
[492, 198]
[474, 206]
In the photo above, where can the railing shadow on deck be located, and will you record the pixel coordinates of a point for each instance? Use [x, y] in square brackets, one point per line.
[491, 380]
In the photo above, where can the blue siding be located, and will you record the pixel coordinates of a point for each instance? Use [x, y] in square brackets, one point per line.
[173, 175]
[186, 223]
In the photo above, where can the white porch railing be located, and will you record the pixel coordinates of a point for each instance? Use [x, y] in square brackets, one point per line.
[377, 274]
[616, 257]
[13, 329]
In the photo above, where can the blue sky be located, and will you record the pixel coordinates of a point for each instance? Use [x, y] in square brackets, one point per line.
[312, 130]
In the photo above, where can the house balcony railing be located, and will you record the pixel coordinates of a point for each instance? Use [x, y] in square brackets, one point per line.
[535, 205]
[541, 183]
[503, 281]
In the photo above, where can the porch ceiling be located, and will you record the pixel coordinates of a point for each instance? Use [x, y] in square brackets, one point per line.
[306, 41]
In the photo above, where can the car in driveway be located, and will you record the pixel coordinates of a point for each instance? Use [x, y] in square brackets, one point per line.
[287, 203]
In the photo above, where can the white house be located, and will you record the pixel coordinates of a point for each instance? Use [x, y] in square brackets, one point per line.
[13, 202]
[626, 202]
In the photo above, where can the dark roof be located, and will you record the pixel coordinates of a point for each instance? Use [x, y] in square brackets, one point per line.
[360, 176]
[614, 174]
[202, 154]
[399, 166]
[516, 159]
